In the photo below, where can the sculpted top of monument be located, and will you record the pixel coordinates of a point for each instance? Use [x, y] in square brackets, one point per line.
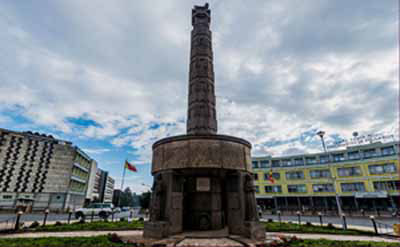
[202, 119]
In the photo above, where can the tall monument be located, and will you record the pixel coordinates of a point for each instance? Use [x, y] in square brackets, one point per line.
[202, 180]
[202, 117]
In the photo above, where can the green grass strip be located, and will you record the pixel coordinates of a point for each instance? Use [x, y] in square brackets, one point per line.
[99, 241]
[92, 226]
[290, 227]
[333, 243]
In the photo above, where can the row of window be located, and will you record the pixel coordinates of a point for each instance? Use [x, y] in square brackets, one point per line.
[345, 187]
[342, 172]
[338, 157]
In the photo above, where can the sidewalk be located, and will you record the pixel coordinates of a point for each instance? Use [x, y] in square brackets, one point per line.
[270, 235]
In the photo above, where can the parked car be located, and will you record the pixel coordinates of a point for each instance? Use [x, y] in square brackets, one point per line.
[125, 209]
[117, 210]
[103, 210]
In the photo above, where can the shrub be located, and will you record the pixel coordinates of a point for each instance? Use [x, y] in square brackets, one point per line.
[122, 219]
[330, 225]
[58, 223]
[270, 220]
[309, 224]
[113, 237]
[34, 224]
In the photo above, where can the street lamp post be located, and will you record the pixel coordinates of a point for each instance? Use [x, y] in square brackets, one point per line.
[340, 213]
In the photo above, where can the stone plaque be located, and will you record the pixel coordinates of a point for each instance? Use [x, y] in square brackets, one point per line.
[203, 184]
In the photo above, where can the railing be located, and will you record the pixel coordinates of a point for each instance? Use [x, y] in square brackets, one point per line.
[8, 224]
[21, 221]
[383, 228]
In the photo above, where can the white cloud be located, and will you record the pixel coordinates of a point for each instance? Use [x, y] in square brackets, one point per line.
[124, 67]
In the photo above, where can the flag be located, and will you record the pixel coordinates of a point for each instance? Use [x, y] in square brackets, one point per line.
[270, 178]
[130, 167]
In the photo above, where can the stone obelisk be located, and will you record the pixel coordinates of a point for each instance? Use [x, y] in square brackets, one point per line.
[202, 180]
[201, 111]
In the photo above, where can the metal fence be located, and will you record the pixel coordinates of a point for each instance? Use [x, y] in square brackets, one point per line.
[8, 224]
[20, 220]
[384, 229]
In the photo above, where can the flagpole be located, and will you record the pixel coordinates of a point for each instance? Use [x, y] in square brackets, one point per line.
[123, 177]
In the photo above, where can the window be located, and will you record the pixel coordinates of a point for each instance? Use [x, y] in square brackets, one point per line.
[255, 164]
[369, 153]
[286, 163]
[311, 160]
[387, 150]
[7, 197]
[349, 171]
[354, 155]
[320, 173]
[382, 169]
[273, 189]
[275, 175]
[386, 185]
[275, 163]
[264, 163]
[299, 162]
[295, 175]
[257, 189]
[297, 188]
[255, 176]
[338, 157]
[324, 158]
[352, 187]
[323, 188]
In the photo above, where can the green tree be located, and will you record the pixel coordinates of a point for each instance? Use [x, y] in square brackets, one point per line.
[126, 198]
[145, 200]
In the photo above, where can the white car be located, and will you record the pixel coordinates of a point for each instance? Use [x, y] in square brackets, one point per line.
[103, 210]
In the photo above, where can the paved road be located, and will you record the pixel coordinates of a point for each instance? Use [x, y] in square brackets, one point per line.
[52, 217]
[351, 221]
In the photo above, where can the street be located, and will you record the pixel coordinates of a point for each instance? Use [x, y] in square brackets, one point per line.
[56, 217]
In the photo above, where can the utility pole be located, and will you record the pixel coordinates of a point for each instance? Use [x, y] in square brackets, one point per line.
[333, 177]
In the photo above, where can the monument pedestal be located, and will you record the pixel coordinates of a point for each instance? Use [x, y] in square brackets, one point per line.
[254, 230]
[155, 229]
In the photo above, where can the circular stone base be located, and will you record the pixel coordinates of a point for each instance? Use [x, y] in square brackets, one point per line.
[201, 151]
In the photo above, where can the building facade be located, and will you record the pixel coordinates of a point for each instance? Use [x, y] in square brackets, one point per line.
[366, 177]
[109, 189]
[103, 187]
[90, 195]
[38, 171]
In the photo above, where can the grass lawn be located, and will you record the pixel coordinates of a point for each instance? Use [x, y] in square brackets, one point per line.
[137, 225]
[92, 226]
[100, 241]
[106, 241]
[290, 227]
[332, 243]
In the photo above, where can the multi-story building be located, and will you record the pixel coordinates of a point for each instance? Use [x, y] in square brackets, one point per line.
[38, 171]
[103, 187]
[90, 195]
[365, 177]
[109, 189]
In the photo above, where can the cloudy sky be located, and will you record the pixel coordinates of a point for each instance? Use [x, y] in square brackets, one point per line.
[111, 76]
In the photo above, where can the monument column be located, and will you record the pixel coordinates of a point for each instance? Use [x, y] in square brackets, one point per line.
[202, 118]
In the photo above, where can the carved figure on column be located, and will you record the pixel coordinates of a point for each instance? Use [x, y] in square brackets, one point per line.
[251, 206]
[158, 199]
